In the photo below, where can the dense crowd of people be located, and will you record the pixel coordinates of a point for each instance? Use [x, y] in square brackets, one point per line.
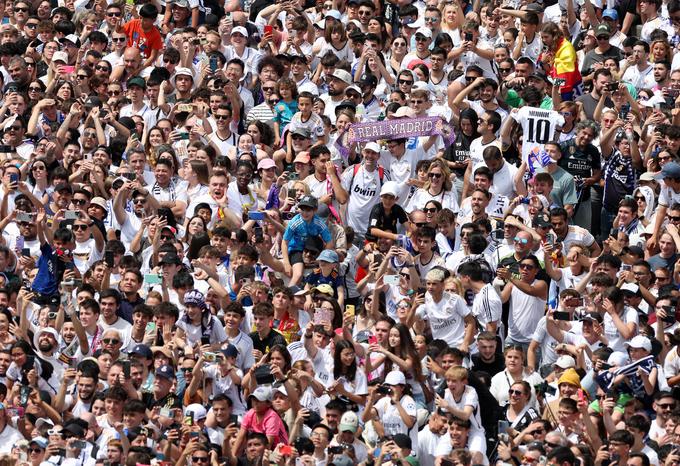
[201, 263]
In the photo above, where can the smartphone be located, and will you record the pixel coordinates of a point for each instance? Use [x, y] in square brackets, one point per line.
[268, 29]
[213, 63]
[184, 135]
[503, 427]
[23, 217]
[205, 341]
[153, 279]
[350, 308]
[293, 176]
[372, 340]
[670, 314]
[25, 252]
[185, 107]
[130, 2]
[188, 419]
[79, 444]
[335, 450]
[209, 357]
[126, 369]
[581, 395]
[259, 234]
[468, 36]
[626, 267]
[255, 215]
[19, 245]
[286, 450]
[13, 177]
[559, 315]
[391, 279]
[68, 69]
[165, 412]
[108, 258]
[613, 87]
[195, 41]
[24, 393]
[129, 176]
[71, 215]
[550, 239]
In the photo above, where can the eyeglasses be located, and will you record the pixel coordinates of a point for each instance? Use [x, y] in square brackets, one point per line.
[400, 44]
[113, 15]
[101, 68]
[364, 13]
[35, 450]
[118, 39]
[14, 128]
[431, 20]
[421, 38]
[111, 341]
[221, 117]
[199, 458]
[38, 167]
[666, 406]
[515, 392]
[417, 102]
[34, 89]
[673, 218]
[90, 134]
[80, 227]
[297, 137]
[602, 37]
[268, 89]
[537, 432]
[139, 201]
[110, 93]
[405, 275]
[566, 114]
[79, 201]
[434, 175]
[404, 81]
[32, 25]
[421, 224]
[21, 10]
[431, 210]
[517, 239]
[505, 70]
[470, 78]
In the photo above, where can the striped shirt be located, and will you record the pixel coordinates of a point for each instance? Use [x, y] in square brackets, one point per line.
[487, 306]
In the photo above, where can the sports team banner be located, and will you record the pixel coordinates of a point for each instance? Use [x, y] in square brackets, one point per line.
[605, 379]
[394, 129]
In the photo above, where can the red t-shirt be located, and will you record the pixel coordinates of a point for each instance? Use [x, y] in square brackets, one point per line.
[144, 41]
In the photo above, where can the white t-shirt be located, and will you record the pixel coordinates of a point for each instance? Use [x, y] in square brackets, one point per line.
[391, 419]
[538, 127]
[226, 385]
[503, 180]
[364, 193]
[616, 341]
[403, 169]
[487, 306]
[446, 318]
[525, 313]
[547, 342]
[85, 254]
[468, 398]
[477, 150]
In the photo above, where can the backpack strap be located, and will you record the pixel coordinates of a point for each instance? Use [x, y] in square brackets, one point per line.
[355, 170]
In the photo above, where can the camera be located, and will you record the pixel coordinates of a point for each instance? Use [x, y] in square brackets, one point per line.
[383, 390]
[543, 388]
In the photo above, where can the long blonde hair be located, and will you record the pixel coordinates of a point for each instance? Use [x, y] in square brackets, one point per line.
[446, 173]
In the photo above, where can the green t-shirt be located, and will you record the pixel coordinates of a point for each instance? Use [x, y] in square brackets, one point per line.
[514, 100]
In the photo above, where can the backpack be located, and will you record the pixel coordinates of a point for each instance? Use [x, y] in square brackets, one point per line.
[355, 170]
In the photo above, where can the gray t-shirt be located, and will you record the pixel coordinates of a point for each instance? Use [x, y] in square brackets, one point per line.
[594, 56]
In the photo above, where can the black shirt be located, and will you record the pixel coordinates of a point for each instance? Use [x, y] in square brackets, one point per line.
[171, 400]
[274, 338]
[383, 221]
[491, 368]
[580, 163]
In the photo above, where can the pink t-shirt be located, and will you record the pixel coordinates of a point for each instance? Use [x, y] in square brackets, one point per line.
[271, 425]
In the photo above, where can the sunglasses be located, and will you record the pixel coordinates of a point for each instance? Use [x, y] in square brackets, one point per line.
[113, 92]
[111, 341]
[79, 227]
[101, 68]
[79, 201]
[35, 450]
[222, 117]
[674, 218]
[297, 137]
[405, 275]
[118, 39]
[517, 239]
[268, 89]
[32, 25]
[404, 81]
[526, 266]
[434, 175]
[113, 15]
[199, 458]
[431, 210]
[417, 102]
[666, 406]
[38, 167]
[505, 70]
[167, 238]
[421, 39]
[139, 201]
[515, 392]
[34, 89]
[21, 10]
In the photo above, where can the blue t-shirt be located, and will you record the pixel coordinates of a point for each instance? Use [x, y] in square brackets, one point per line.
[45, 281]
[316, 278]
[283, 113]
[298, 231]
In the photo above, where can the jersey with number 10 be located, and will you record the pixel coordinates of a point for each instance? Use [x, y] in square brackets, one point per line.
[538, 127]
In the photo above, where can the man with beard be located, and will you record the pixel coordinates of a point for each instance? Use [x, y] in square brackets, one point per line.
[132, 66]
[600, 53]
[18, 71]
[216, 198]
[218, 427]
[5, 361]
[162, 394]
[46, 341]
[662, 75]
[601, 79]
[130, 224]
[86, 389]
[14, 136]
[337, 84]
